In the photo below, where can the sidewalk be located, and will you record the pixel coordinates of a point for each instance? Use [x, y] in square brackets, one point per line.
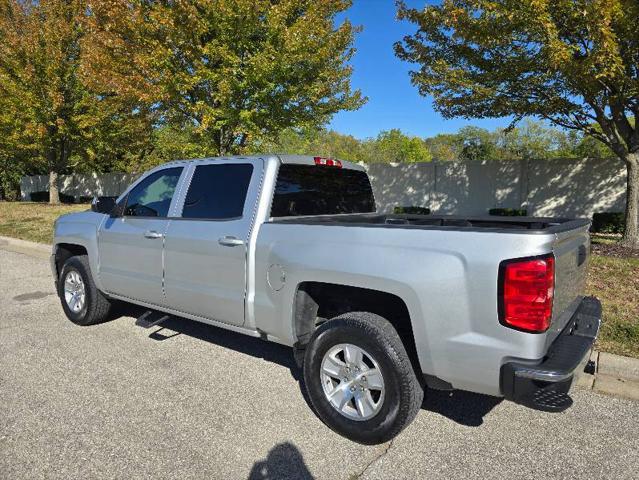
[614, 375]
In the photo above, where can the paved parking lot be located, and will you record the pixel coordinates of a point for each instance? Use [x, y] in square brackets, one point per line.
[193, 401]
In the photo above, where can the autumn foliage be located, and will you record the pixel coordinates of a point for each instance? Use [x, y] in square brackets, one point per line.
[86, 84]
[574, 63]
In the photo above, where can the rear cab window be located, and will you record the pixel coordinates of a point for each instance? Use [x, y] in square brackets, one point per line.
[321, 190]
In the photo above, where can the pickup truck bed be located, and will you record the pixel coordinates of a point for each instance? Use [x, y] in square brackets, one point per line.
[530, 225]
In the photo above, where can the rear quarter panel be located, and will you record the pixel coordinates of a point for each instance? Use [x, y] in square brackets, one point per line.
[448, 280]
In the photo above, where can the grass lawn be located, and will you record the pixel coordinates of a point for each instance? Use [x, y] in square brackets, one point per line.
[615, 281]
[612, 279]
[32, 221]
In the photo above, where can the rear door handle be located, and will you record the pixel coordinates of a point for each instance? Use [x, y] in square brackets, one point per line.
[230, 241]
[152, 234]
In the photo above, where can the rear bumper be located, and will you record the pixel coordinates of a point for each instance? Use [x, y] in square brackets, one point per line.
[544, 384]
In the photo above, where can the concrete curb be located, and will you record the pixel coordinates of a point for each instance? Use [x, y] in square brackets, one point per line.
[617, 376]
[614, 375]
[33, 249]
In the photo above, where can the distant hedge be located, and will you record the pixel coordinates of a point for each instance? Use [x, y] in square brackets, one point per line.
[412, 210]
[608, 222]
[508, 212]
[64, 198]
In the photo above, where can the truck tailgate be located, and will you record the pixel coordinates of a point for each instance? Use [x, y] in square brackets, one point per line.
[572, 251]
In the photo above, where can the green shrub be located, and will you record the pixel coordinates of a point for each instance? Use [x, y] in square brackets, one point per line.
[508, 212]
[44, 197]
[39, 196]
[608, 222]
[412, 210]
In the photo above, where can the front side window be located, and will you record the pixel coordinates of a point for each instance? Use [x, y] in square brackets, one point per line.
[152, 196]
[218, 191]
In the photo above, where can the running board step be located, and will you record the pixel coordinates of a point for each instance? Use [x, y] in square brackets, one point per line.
[151, 318]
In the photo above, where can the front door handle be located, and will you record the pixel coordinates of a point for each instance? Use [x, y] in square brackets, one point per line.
[230, 241]
[152, 234]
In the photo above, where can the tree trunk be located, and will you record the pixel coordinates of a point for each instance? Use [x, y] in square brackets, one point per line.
[54, 196]
[631, 234]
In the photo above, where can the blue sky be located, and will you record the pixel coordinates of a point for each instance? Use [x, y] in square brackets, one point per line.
[392, 101]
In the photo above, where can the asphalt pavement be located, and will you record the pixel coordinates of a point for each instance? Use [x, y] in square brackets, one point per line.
[186, 400]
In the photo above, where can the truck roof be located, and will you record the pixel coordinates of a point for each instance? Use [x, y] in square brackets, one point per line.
[296, 159]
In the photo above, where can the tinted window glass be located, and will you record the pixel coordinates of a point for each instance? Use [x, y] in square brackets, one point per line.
[152, 197]
[218, 191]
[318, 190]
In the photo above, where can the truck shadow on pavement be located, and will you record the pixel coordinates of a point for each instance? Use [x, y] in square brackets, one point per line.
[465, 408]
[172, 326]
[253, 346]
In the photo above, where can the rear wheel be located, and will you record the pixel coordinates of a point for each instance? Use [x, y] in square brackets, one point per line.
[82, 302]
[360, 379]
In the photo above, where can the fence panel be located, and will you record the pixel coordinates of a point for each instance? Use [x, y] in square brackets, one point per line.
[544, 187]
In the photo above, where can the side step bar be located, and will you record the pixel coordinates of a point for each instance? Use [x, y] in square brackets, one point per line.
[148, 319]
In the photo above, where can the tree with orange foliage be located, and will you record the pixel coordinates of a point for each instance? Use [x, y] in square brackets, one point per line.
[65, 114]
[230, 71]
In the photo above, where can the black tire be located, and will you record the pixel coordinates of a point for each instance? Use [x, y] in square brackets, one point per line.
[96, 306]
[403, 392]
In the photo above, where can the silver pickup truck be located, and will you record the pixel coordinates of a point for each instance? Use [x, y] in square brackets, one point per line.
[376, 306]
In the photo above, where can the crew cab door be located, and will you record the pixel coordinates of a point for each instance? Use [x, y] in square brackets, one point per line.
[130, 245]
[206, 244]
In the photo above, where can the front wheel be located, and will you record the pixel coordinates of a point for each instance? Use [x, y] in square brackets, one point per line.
[82, 302]
[360, 379]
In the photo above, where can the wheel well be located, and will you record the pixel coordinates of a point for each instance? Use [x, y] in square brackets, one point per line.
[65, 251]
[316, 302]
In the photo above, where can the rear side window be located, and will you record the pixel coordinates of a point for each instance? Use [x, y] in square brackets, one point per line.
[152, 196]
[218, 192]
[321, 190]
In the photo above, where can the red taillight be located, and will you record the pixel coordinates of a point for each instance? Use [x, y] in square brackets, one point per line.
[327, 162]
[526, 290]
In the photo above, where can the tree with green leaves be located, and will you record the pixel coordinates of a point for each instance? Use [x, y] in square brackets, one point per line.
[536, 141]
[387, 146]
[230, 71]
[38, 76]
[444, 147]
[395, 146]
[15, 149]
[477, 144]
[318, 141]
[56, 107]
[574, 63]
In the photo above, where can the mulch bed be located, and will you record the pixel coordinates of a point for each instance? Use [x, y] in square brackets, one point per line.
[613, 250]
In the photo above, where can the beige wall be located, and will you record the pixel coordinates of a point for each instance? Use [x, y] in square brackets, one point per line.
[79, 185]
[574, 188]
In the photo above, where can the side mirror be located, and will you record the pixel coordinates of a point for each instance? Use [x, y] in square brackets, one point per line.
[103, 204]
